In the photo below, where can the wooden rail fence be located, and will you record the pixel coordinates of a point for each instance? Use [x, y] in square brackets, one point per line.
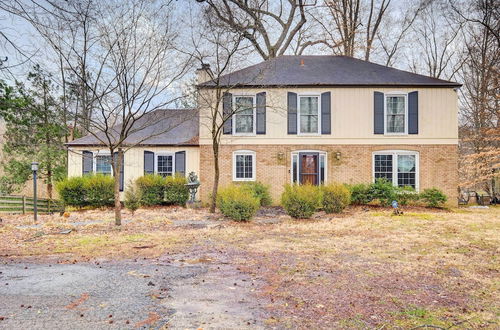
[23, 204]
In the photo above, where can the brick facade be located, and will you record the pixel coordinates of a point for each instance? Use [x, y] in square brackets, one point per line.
[437, 165]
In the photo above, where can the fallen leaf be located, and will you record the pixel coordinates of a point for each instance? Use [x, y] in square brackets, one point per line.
[79, 301]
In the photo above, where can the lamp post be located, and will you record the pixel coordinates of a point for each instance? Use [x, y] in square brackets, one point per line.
[34, 168]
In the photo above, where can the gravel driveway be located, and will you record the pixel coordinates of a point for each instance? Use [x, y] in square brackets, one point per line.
[172, 291]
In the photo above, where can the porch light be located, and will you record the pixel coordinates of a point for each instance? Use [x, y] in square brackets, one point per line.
[337, 155]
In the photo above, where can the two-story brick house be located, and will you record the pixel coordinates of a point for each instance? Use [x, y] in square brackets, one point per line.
[315, 119]
[309, 119]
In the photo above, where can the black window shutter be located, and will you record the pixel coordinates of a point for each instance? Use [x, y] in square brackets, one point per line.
[292, 113]
[122, 170]
[87, 162]
[378, 113]
[180, 163]
[413, 113]
[326, 121]
[261, 113]
[227, 109]
[149, 162]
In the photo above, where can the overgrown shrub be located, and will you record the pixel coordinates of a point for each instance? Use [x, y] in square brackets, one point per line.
[433, 197]
[132, 198]
[99, 190]
[406, 195]
[360, 193]
[72, 191]
[175, 191]
[301, 201]
[383, 191]
[151, 188]
[335, 198]
[237, 202]
[261, 191]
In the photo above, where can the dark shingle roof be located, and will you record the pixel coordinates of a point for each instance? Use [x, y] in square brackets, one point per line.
[324, 71]
[172, 127]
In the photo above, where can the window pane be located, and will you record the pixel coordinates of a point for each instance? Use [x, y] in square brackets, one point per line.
[322, 169]
[165, 165]
[244, 123]
[395, 105]
[309, 114]
[244, 114]
[383, 167]
[395, 121]
[103, 164]
[244, 166]
[295, 168]
[406, 170]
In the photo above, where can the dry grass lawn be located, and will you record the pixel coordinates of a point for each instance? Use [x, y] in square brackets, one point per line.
[365, 268]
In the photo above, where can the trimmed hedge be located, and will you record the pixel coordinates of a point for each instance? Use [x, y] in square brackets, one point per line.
[237, 202]
[154, 189]
[261, 191]
[150, 187]
[433, 197]
[335, 198]
[89, 190]
[301, 201]
[71, 191]
[176, 192]
[384, 192]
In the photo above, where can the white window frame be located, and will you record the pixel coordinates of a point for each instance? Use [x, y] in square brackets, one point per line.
[94, 160]
[233, 117]
[392, 94]
[321, 154]
[395, 154]
[165, 153]
[318, 96]
[245, 153]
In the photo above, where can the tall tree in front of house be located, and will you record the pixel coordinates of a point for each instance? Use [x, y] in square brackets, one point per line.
[480, 106]
[35, 131]
[133, 62]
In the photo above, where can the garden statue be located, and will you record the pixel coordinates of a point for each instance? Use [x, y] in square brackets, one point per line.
[192, 184]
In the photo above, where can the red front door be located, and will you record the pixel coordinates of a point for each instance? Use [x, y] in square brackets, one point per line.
[309, 168]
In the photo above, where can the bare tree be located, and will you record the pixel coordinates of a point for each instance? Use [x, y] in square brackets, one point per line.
[132, 63]
[357, 28]
[269, 26]
[480, 105]
[438, 38]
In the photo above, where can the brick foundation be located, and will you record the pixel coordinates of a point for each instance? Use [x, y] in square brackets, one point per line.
[438, 165]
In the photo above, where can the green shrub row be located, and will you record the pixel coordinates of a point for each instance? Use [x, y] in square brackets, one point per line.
[149, 190]
[301, 201]
[383, 192]
[89, 190]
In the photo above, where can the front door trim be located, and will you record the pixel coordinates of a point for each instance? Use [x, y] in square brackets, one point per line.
[322, 156]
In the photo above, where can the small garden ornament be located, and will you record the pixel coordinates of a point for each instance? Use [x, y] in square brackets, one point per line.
[395, 206]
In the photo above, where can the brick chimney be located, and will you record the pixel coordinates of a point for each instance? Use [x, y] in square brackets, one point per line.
[204, 73]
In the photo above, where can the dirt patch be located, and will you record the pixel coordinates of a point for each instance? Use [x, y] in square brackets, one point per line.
[364, 268]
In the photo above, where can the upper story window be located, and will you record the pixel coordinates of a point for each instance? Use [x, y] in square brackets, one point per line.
[309, 115]
[396, 114]
[244, 165]
[244, 115]
[398, 167]
[103, 164]
[165, 164]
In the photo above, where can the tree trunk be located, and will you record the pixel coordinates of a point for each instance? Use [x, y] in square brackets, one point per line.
[117, 163]
[213, 202]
